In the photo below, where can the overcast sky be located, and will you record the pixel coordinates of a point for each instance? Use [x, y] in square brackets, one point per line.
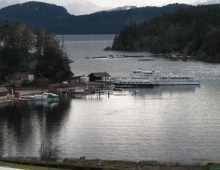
[117, 3]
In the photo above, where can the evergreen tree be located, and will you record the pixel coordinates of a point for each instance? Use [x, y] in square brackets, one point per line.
[52, 62]
[20, 51]
[190, 31]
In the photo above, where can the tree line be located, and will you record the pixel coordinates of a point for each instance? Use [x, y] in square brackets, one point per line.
[193, 31]
[22, 49]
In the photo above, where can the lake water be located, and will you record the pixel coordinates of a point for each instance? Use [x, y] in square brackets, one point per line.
[165, 124]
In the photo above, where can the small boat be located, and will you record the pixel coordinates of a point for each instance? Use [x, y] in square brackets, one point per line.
[116, 56]
[119, 56]
[111, 56]
[44, 96]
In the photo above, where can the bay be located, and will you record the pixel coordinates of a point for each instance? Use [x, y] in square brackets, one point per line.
[165, 124]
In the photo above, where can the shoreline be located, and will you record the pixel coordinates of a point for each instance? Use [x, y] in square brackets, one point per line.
[22, 92]
[95, 164]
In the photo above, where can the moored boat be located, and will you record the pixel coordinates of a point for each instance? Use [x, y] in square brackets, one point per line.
[133, 81]
[140, 78]
[111, 56]
[44, 96]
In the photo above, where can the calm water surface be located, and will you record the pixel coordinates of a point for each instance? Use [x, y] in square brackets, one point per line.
[165, 124]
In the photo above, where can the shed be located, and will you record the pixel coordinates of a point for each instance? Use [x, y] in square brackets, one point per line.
[76, 79]
[20, 76]
[99, 76]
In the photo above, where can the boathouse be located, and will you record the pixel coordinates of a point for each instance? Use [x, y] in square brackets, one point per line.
[100, 76]
[78, 79]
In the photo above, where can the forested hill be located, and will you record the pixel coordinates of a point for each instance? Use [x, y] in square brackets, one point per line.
[36, 15]
[193, 31]
[58, 20]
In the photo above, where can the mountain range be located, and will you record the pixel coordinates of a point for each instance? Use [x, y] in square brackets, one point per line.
[83, 7]
[57, 19]
[73, 6]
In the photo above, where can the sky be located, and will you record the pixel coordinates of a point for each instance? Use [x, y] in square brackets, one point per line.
[118, 3]
[81, 7]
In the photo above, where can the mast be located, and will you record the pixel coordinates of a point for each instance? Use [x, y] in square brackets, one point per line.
[105, 77]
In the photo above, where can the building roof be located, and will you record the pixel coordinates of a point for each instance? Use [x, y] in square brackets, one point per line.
[77, 77]
[100, 74]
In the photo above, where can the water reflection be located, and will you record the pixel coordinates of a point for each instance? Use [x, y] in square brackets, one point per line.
[120, 126]
[25, 124]
[42, 103]
[158, 91]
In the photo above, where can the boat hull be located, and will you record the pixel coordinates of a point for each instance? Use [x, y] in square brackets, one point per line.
[44, 96]
[141, 78]
[130, 85]
[160, 83]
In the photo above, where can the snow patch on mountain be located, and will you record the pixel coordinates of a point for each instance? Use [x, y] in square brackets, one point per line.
[83, 8]
[122, 8]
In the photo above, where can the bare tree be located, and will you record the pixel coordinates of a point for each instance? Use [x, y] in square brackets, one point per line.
[48, 152]
[1, 153]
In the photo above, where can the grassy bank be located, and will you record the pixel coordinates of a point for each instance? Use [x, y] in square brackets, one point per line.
[76, 164]
[19, 166]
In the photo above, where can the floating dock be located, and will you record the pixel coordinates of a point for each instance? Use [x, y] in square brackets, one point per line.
[106, 57]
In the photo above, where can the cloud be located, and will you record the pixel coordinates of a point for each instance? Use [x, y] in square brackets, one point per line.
[117, 3]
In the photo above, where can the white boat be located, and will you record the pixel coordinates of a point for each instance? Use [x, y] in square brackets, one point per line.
[116, 56]
[133, 80]
[44, 96]
[141, 78]
[111, 56]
